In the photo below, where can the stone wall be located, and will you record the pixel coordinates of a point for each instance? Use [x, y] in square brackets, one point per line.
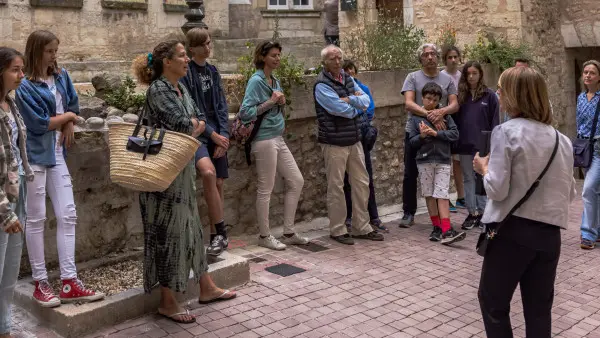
[305, 49]
[109, 216]
[580, 26]
[468, 17]
[95, 33]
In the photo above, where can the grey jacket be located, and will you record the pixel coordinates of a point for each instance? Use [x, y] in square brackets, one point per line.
[433, 149]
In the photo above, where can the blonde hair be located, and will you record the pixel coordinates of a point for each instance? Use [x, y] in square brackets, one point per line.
[34, 54]
[524, 93]
[588, 63]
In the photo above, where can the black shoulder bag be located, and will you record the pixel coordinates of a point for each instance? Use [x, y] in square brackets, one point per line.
[257, 123]
[583, 149]
[147, 145]
[490, 230]
[248, 144]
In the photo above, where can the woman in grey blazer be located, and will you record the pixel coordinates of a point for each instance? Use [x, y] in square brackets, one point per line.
[526, 249]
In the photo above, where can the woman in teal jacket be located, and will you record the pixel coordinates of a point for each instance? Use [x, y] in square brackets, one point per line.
[264, 96]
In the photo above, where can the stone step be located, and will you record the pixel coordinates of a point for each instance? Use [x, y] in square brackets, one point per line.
[70, 320]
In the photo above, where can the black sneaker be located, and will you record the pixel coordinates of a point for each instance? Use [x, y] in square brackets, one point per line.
[477, 221]
[373, 236]
[436, 234]
[469, 222]
[452, 236]
[218, 244]
[344, 239]
[407, 220]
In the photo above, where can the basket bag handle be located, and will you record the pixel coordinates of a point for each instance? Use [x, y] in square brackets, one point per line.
[147, 145]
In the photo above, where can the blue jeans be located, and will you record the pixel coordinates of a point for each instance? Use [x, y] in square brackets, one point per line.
[372, 206]
[10, 259]
[591, 200]
[475, 203]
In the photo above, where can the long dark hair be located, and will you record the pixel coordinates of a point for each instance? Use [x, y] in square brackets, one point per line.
[7, 55]
[34, 53]
[149, 67]
[463, 85]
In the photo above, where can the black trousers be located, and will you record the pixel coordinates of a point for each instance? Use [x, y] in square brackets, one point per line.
[524, 252]
[411, 174]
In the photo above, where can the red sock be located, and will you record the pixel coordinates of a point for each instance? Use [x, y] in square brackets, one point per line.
[435, 220]
[445, 224]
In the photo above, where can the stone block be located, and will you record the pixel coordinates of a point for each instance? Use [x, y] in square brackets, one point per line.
[125, 4]
[570, 37]
[57, 3]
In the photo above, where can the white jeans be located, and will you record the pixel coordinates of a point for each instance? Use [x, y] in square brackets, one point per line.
[55, 181]
[272, 156]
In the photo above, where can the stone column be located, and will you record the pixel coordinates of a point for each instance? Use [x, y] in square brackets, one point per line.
[194, 15]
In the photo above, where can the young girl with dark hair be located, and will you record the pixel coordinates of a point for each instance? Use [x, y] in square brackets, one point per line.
[14, 170]
[49, 105]
[479, 111]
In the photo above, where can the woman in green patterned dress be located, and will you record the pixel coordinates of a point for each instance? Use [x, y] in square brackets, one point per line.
[173, 240]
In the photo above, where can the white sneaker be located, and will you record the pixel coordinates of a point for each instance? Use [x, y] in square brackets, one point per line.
[270, 242]
[294, 240]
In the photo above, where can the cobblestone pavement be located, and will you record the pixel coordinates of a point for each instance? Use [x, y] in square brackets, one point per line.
[405, 286]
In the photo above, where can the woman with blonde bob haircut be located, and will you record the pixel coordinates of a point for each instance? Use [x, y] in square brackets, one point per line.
[526, 249]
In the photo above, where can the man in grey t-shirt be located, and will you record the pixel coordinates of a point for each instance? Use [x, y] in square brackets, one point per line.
[428, 55]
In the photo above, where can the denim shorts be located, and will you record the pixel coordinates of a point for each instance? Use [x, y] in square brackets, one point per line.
[221, 164]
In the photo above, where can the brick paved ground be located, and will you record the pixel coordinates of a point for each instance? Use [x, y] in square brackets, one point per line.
[403, 287]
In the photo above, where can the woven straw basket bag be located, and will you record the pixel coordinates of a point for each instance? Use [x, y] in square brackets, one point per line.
[145, 162]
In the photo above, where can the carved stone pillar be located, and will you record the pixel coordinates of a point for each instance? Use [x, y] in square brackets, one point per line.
[194, 15]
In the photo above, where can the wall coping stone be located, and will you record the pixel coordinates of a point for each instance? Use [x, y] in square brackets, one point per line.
[57, 3]
[125, 4]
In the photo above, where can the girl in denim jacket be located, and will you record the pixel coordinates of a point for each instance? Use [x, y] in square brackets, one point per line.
[49, 106]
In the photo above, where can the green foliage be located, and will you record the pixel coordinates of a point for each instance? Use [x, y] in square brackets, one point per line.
[383, 44]
[124, 96]
[496, 50]
[290, 73]
[446, 37]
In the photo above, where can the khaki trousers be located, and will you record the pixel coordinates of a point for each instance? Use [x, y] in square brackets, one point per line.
[338, 161]
[272, 156]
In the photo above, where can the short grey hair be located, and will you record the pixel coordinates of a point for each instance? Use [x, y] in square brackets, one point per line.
[328, 49]
[421, 50]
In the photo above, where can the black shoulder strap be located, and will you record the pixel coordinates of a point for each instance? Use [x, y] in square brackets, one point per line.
[537, 181]
[595, 122]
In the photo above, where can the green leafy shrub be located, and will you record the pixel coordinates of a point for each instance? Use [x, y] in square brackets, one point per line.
[383, 44]
[124, 96]
[496, 50]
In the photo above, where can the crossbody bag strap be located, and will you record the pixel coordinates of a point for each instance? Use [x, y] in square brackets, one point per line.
[537, 181]
[595, 123]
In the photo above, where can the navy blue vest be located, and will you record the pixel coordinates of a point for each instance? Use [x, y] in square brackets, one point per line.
[336, 130]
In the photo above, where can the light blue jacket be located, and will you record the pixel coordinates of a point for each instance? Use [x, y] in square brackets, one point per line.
[37, 105]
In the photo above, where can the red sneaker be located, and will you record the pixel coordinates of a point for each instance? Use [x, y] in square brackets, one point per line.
[44, 294]
[74, 291]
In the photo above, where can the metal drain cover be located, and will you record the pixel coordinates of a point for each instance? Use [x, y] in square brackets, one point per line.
[284, 270]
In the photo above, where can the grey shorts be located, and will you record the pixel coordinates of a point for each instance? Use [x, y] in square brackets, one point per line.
[435, 180]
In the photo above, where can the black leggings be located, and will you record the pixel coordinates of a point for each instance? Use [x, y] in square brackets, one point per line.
[524, 253]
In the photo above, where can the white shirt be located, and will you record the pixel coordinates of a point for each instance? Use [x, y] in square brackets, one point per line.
[520, 149]
[59, 106]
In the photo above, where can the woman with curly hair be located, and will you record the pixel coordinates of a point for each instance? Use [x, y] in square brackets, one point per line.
[173, 239]
[479, 110]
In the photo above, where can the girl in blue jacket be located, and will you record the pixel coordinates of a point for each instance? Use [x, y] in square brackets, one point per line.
[49, 106]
